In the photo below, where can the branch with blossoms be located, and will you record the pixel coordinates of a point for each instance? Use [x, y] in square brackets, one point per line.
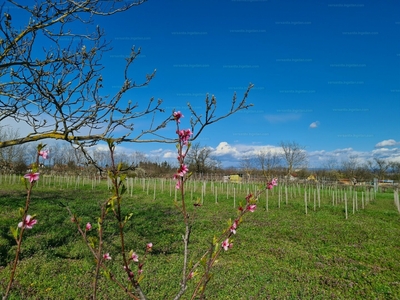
[224, 241]
[181, 176]
[27, 221]
[130, 260]
[100, 257]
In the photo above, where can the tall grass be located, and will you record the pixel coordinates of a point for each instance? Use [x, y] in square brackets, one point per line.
[281, 253]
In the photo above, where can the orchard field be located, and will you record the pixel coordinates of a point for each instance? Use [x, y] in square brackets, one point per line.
[302, 242]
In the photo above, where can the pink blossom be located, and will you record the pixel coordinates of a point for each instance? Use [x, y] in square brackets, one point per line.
[273, 183]
[226, 245]
[88, 226]
[177, 116]
[149, 246]
[32, 176]
[178, 184]
[44, 153]
[135, 257]
[234, 227]
[184, 135]
[248, 197]
[107, 256]
[28, 222]
[251, 207]
[178, 176]
[130, 273]
[183, 170]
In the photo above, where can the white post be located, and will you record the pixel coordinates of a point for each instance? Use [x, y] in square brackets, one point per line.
[315, 201]
[319, 197]
[234, 197]
[305, 200]
[155, 183]
[362, 200]
[202, 194]
[286, 193]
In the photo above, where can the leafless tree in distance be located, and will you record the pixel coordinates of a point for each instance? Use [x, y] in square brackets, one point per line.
[268, 161]
[294, 155]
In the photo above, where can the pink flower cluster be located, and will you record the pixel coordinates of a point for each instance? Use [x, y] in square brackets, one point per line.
[226, 244]
[274, 182]
[134, 257]
[184, 136]
[44, 153]
[249, 206]
[183, 169]
[88, 226]
[234, 226]
[32, 177]
[28, 222]
[35, 176]
[177, 115]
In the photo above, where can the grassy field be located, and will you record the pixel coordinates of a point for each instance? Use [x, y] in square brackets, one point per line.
[281, 253]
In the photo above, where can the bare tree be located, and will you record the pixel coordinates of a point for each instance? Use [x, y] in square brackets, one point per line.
[199, 159]
[379, 167]
[350, 166]
[331, 164]
[6, 133]
[10, 155]
[248, 165]
[56, 89]
[101, 157]
[137, 157]
[329, 170]
[268, 161]
[294, 155]
[395, 170]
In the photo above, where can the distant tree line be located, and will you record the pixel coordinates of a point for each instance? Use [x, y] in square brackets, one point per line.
[290, 162]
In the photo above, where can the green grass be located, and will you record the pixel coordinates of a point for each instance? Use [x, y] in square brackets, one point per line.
[279, 254]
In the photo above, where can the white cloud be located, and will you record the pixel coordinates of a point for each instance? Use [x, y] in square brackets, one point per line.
[157, 151]
[238, 151]
[344, 150]
[232, 154]
[224, 148]
[391, 154]
[170, 154]
[386, 143]
[314, 124]
[101, 148]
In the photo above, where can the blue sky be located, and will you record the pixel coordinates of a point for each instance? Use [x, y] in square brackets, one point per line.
[326, 74]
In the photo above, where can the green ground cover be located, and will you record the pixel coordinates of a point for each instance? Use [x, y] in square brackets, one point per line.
[281, 253]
